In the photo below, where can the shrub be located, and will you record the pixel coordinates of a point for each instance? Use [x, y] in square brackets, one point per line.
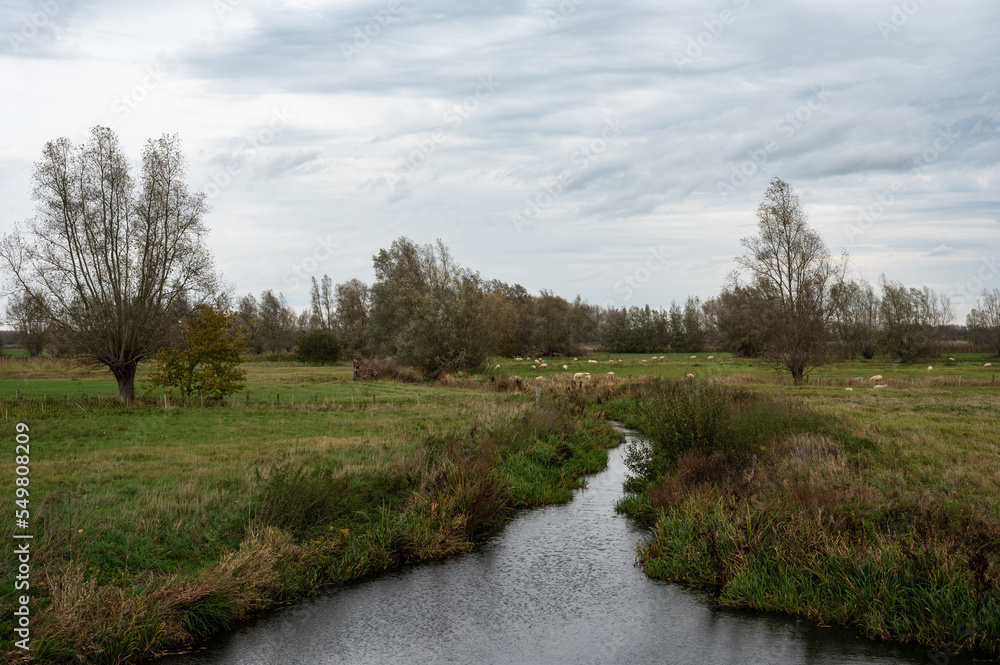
[318, 346]
[681, 417]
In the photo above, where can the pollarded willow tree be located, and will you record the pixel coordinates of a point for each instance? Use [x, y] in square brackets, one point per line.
[792, 276]
[113, 260]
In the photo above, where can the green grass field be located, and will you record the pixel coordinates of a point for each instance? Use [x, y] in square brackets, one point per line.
[156, 525]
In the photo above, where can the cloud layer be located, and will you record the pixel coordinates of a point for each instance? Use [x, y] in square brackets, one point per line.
[552, 143]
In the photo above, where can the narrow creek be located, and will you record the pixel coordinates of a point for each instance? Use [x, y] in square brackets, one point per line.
[557, 585]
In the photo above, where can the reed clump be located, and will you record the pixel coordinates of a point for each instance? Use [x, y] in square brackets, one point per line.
[776, 506]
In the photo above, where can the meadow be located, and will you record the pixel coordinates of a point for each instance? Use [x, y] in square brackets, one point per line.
[157, 524]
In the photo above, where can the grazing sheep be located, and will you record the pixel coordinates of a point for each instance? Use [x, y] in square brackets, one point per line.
[690, 376]
[880, 386]
[518, 358]
[539, 378]
[951, 359]
[565, 366]
[575, 358]
[988, 365]
[611, 373]
[578, 376]
[544, 365]
[711, 357]
[661, 357]
[850, 389]
[877, 377]
[930, 367]
[645, 361]
[532, 367]
[592, 362]
[497, 367]
[692, 357]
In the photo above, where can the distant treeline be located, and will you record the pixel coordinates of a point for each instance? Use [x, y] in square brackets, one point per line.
[428, 311]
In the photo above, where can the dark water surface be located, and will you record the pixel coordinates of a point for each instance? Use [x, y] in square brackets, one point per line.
[558, 585]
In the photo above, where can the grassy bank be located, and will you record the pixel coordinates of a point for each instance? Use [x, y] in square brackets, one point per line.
[877, 510]
[157, 526]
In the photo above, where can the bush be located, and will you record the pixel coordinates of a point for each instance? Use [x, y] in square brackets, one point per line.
[705, 419]
[388, 369]
[318, 346]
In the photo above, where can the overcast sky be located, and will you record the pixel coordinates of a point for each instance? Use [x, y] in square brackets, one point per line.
[615, 150]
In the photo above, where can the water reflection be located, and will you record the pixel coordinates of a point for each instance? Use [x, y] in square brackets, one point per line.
[559, 585]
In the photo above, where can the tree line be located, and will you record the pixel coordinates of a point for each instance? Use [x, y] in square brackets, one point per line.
[114, 268]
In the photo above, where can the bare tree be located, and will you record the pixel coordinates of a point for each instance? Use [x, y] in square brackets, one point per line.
[856, 308]
[984, 321]
[322, 308]
[115, 261]
[792, 272]
[911, 321]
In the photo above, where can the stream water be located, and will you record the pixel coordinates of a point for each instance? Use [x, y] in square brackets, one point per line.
[557, 585]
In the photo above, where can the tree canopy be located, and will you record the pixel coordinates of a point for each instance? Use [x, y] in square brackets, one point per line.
[112, 259]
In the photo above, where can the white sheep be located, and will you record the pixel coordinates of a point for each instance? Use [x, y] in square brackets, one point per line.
[661, 357]
[611, 373]
[880, 386]
[877, 377]
[565, 366]
[645, 361]
[532, 367]
[988, 365]
[849, 389]
[930, 367]
[518, 358]
[578, 376]
[544, 365]
[951, 359]
[592, 362]
[711, 357]
[690, 376]
[692, 357]
[575, 358]
[539, 378]
[497, 367]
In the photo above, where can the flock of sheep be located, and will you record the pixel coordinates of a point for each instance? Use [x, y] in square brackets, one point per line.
[581, 376]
